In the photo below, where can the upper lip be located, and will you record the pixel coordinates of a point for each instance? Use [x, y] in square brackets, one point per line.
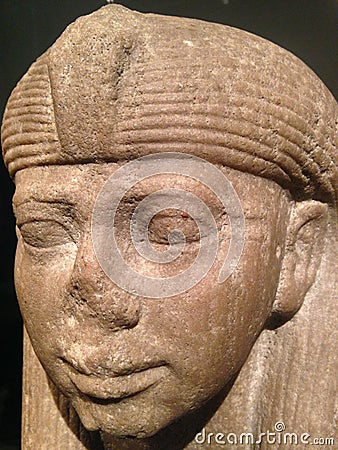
[120, 383]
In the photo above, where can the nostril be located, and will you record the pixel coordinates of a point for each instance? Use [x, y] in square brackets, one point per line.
[77, 296]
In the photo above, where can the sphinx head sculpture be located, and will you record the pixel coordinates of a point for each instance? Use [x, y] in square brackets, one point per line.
[207, 123]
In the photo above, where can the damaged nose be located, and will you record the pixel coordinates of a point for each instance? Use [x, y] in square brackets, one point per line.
[92, 294]
[117, 312]
[114, 309]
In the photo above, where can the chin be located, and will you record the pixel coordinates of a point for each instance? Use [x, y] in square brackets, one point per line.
[123, 419]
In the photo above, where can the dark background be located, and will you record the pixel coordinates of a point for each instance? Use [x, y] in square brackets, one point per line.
[28, 27]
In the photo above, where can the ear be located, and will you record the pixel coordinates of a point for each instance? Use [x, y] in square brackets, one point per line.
[303, 250]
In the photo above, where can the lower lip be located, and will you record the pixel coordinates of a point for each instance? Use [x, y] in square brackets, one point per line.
[119, 387]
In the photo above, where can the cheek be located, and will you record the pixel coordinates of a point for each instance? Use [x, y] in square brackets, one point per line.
[249, 294]
[214, 327]
[40, 282]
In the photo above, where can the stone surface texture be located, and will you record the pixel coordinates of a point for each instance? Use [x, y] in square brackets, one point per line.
[129, 372]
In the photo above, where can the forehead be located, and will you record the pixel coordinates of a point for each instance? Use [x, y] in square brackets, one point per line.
[80, 185]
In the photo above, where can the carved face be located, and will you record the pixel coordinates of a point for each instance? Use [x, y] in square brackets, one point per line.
[112, 89]
[131, 365]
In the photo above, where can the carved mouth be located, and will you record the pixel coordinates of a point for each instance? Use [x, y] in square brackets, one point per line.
[109, 389]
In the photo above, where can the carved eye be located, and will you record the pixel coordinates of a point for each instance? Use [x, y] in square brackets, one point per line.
[169, 220]
[44, 234]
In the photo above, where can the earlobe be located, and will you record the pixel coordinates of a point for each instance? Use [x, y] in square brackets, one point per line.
[303, 250]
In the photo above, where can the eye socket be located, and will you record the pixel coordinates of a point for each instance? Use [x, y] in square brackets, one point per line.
[163, 223]
[44, 234]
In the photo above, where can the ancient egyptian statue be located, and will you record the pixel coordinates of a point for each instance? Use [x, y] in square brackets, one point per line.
[176, 215]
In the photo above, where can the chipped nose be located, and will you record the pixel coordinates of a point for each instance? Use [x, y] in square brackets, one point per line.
[92, 294]
[114, 309]
[119, 312]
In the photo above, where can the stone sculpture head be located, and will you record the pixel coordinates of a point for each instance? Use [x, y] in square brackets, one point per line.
[119, 85]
